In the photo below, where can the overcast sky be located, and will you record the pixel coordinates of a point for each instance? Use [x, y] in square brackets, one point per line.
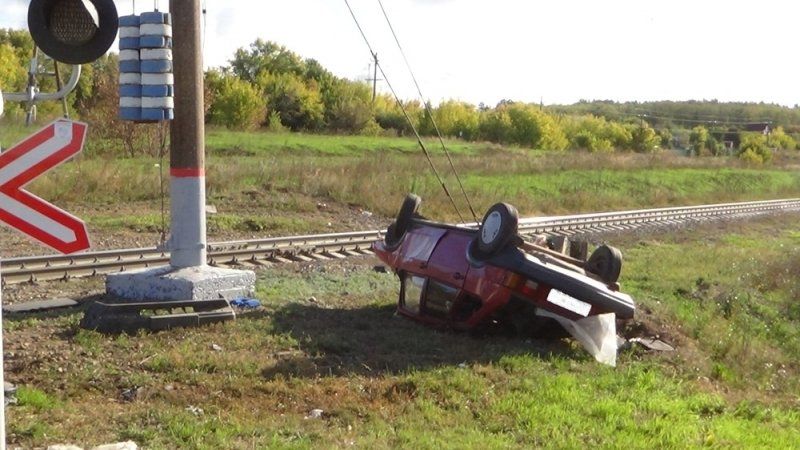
[556, 51]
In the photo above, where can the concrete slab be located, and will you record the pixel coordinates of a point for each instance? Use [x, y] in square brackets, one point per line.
[40, 305]
[192, 283]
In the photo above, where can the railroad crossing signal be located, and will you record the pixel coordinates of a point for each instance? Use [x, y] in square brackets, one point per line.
[38, 153]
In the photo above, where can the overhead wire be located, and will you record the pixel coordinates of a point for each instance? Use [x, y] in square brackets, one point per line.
[405, 113]
[704, 121]
[428, 110]
[692, 116]
[204, 11]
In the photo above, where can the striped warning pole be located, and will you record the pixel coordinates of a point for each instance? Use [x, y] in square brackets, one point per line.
[155, 44]
[187, 142]
[130, 77]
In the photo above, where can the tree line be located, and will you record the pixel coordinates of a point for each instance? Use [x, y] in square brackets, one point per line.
[267, 86]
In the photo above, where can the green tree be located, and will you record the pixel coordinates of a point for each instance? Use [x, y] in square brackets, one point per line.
[779, 139]
[12, 75]
[12, 71]
[389, 115]
[266, 56]
[698, 139]
[595, 134]
[645, 139]
[753, 148]
[352, 112]
[534, 128]
[456, 119]
[299, 105]
[495, 126]
[237, 105]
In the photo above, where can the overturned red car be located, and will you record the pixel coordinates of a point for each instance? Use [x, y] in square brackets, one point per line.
[467, 277]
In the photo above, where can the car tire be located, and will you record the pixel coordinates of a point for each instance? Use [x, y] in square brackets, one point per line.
[606, 263]
[397, 230]
[498, 227]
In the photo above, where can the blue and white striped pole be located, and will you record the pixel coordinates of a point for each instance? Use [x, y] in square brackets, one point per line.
[155, 44]
[130, 78]
[146, 80]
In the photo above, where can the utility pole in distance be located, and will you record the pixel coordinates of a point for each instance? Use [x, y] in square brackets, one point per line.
[374, 78]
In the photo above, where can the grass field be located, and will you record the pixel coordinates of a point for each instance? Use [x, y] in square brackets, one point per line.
[327, 339]
[725, 295]
[221, 141]
[267, 172]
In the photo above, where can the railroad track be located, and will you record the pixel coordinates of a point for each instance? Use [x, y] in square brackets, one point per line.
[266, 252]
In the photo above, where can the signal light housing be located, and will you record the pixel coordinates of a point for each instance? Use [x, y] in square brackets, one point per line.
[73, 31]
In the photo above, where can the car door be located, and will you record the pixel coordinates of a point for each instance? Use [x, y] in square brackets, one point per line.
[447, 268]
[448, 262]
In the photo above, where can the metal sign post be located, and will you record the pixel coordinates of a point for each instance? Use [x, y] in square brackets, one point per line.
[31, 215]
[2, 377]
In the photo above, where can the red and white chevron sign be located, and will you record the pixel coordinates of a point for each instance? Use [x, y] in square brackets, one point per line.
[29, 214]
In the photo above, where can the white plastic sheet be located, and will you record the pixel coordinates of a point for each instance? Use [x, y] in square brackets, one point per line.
[597, 334]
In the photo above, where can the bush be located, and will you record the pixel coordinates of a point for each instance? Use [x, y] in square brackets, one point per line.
[779, 139]
[390, 117]
[352, 111]
[645, 139]
[698, 139]
[299, 104]
[534, 128]
[495, 126]
[237, 105]
[454, 119]
[274, 123]
[750, 156]
[753, 149]
[595, 134]
[586, 140]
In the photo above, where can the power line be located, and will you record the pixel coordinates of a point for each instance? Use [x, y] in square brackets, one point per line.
[705, 121]
[405, 113]
[430, 113]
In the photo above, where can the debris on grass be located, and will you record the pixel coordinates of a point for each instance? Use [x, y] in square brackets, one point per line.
[194, 410]
[652, 343]
[245, 303]
[130, 394]
[10, 393]
[314, 414]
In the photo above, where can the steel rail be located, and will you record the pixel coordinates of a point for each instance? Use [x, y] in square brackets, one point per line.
[265, 252]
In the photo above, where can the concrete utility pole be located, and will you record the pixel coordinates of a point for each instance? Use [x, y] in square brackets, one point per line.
[187, 151]
[188, 277]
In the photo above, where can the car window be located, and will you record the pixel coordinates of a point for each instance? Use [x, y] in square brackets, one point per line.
[412, 292]
[439, 298]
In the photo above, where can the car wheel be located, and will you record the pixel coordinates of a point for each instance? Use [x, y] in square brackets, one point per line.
[398, 229]
[606, 263]
[498, 227]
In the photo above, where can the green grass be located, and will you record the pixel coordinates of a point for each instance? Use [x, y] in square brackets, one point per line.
[327, 338]
[289, 184]
[571, 190]
[221, 142]
[11, 133]
[736, 294]
[279, 175]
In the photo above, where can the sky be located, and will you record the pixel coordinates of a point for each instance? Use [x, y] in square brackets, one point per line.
[556, 52]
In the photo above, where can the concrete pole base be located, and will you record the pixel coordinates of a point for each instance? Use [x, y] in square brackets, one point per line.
[192, 283]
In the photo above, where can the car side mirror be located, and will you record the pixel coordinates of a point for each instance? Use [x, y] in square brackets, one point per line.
[73, 31]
